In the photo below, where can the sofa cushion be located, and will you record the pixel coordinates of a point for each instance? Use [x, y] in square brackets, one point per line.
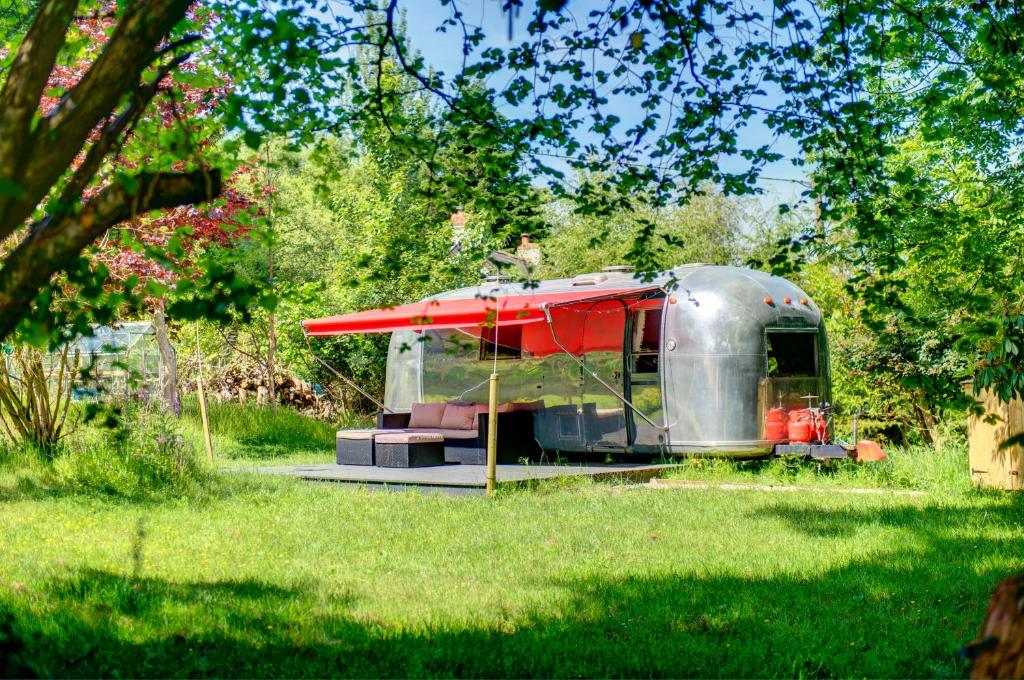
[503, 407]
[409, 438]
[459, 417]
[427, 415]
[355, 434]
[527, 405]
[458, 434]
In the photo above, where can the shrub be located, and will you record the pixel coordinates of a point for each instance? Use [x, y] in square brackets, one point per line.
[35, 395]
[139, 454]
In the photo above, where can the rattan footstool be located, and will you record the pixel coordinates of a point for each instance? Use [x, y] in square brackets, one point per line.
[354, 447]
[409, 449]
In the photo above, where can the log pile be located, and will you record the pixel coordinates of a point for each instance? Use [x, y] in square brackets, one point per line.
[245, 384]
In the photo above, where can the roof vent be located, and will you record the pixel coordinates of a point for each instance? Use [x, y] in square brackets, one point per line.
[589, 279]
[620, 269]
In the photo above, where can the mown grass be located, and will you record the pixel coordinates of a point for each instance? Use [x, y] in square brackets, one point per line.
[276, 577]
[251, 575]
[261, 435]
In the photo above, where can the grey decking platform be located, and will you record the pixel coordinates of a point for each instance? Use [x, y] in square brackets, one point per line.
[454, 476]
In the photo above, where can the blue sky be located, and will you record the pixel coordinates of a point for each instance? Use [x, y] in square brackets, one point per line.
[444, 52]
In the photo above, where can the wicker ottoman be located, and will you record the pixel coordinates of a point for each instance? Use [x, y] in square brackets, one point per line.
[354, 447]
[409, 449]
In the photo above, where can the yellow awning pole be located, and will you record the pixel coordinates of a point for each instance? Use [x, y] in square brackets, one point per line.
[492, 434]
[207, 438]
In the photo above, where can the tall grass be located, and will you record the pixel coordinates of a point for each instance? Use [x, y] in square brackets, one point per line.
[260, 433]
[915, 467]
[135, 453]
[140, 452]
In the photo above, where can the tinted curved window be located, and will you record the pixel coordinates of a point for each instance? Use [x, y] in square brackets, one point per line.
[792, 354]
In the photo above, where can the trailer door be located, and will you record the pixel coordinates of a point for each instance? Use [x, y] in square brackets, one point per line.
[644, 376]
[603, 414]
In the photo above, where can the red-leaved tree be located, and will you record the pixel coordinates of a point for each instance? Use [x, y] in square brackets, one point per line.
[138, 252]
[60, 186]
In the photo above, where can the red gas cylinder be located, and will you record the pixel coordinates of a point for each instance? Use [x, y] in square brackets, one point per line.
[775, 424]
[799, 426]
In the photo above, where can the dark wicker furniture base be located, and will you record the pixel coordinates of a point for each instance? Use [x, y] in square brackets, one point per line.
[409, 450]
[354, 449]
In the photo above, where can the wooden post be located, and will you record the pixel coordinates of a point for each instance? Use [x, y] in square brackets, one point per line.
[168, 361]
[492, 434]
[207, 439]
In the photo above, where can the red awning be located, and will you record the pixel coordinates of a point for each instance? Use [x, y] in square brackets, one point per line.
[512, 310]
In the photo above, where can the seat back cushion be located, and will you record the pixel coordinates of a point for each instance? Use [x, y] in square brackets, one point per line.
[527, 405]
[459, 417]
[426, 415]
[503, 407]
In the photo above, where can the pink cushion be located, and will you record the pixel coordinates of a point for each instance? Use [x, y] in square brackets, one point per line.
[456, 434]
[409, 438]
[426, 415]
[503, 407]
[527, 405]
[459, 417]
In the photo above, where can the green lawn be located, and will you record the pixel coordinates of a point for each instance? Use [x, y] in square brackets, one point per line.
[270, 577]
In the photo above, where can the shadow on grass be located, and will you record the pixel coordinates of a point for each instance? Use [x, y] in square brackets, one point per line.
[31, 486]
[902, 613]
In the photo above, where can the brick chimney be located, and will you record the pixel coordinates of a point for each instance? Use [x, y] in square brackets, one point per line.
[458, 221]
[528, 251]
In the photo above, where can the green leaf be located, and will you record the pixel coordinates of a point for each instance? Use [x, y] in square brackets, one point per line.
[252, 138]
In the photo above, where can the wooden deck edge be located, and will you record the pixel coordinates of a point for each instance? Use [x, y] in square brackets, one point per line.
[632, 477]
[658, 483]
[645, 474]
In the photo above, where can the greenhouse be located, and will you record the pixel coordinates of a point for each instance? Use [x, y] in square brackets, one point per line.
[123, 360]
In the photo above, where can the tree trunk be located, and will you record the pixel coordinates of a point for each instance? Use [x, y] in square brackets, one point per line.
[272, 318]
[168, 363]
[271, 357]
[54, 244]
[927, 422]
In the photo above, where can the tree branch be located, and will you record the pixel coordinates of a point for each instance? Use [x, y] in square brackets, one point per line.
[54, 243]
[19, 99]
[113, 134]
[59, 137]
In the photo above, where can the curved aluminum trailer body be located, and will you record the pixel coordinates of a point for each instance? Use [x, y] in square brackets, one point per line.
[700, 366]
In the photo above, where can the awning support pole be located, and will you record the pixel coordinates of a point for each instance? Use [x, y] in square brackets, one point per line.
[201, 390]
[492, 434]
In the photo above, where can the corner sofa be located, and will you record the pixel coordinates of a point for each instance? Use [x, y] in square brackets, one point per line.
[463, 428]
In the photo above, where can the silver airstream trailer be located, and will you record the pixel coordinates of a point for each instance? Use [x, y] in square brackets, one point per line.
[692, 362]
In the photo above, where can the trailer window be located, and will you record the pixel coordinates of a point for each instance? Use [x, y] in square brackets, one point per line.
[646, 343]
[510, 342]
[647, 331]
[792, 354]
